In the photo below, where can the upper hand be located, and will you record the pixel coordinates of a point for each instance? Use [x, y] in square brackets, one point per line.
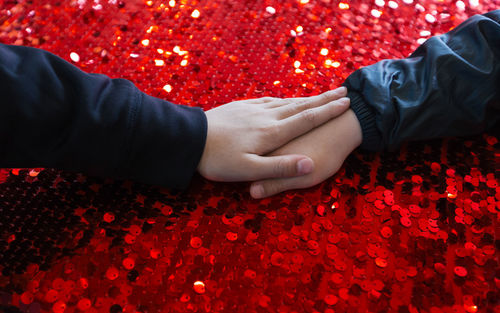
[328, 145]
[240, 133]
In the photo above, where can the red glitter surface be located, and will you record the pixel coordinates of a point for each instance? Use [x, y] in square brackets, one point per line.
[411, 231]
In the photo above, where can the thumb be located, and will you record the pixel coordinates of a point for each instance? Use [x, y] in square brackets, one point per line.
[270, 187]
[281, 166]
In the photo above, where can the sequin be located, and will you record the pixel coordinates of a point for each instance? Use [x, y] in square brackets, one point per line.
[337, 278]
[277, 259]
[405, 221]
[196, 242]
[59, 307]
[195, 14]
[383, 234]
[386, 232]
[84, 304]
[231, 236]
[128, 263]
[112, 273]
[155, 253]
[199, 287]
[460, 271]
[51, 296]
[381, 262]
[331, 299]
[74, 57]
[27, 297]
[109, 217]
[135, 230]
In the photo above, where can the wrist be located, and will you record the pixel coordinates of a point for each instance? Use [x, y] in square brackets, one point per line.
[344, 133]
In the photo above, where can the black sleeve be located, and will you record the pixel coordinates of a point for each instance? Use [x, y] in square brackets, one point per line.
[448, 87]
[54, 115]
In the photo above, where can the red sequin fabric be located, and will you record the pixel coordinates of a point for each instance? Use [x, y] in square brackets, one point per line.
[410, 231]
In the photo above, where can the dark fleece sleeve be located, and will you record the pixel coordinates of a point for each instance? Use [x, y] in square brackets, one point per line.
[450, 86]
[54, 115]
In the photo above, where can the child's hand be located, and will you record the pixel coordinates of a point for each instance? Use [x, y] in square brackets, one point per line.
[328, 146]
[241, 133]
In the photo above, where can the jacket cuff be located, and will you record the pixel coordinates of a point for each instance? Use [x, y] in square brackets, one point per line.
[372, 140]
[167, 142]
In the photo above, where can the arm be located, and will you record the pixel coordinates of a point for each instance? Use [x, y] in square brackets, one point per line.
[450, 86]
[54, 115]
[328, 146]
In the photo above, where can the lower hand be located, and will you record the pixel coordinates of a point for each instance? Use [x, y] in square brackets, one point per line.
[328, 146]
[242, 132]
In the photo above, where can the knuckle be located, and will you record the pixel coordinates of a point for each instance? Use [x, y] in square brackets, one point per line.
[292, 108]
[289, 102]
[324, 97]
[272, 131]
[303, 104]
[281, 168]
[310, 116]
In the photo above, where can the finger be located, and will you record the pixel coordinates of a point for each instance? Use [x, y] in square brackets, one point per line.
[264, 167]
[262, 100]
[270, 187]
[298, 105]
[303, 122]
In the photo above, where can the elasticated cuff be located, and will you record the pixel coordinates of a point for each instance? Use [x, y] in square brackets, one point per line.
[372, 140]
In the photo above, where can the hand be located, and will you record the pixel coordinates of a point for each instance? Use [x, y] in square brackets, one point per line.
[240, 133]
[328, 146]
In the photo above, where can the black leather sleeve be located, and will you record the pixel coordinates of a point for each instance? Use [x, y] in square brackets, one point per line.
[450, 86]
[54, 115]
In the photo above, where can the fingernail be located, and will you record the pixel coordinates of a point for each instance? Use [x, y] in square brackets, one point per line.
[344, 101]
[304, 166]
[343, 90]
[257, 191]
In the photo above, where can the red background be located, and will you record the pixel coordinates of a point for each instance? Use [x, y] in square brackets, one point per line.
[411, 231]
